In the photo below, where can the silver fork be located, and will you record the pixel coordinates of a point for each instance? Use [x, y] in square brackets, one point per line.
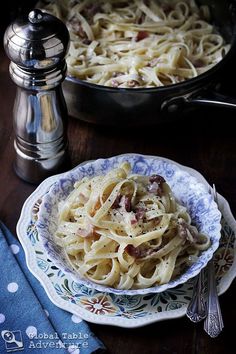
[197, 309]
[213, 323]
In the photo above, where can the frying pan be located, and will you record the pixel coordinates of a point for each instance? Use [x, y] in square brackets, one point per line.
[115, 106]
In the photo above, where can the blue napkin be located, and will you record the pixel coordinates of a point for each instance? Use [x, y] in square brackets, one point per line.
[29, 321]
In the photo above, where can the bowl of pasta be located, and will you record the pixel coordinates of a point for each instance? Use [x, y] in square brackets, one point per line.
[128, 59]
[129, 224]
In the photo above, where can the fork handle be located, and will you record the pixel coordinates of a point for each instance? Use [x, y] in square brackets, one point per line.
[213, 323]
[196, 310]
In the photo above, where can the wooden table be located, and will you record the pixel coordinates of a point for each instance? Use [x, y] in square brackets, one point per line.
[191, 141]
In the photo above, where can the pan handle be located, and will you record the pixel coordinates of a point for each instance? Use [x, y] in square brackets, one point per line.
[208, 97]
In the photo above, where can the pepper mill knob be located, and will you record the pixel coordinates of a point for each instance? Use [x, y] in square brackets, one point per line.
[37, 46]
[35, 16]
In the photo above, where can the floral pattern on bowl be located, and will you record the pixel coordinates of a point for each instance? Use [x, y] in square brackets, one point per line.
[187, 189]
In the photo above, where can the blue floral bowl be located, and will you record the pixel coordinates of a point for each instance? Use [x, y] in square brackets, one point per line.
[186, 188]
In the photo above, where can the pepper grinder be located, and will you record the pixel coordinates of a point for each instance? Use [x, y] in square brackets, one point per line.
[37, 46]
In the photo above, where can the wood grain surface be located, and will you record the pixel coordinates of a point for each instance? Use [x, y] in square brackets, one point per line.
[204, 140]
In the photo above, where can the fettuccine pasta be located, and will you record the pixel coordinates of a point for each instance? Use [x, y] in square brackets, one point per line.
[127, 231]
[138, 43]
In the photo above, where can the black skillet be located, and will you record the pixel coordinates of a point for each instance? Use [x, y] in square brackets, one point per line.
[115, 106]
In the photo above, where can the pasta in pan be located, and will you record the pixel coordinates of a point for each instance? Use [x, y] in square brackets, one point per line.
[138, 43]
[127, 231]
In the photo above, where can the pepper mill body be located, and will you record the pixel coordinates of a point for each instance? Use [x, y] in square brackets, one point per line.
[38, 68]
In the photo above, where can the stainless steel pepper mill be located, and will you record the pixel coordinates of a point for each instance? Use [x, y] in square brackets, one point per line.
[37, 47]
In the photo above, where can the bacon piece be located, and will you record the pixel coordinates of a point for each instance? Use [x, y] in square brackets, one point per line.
[135, 252]
[127, 203]
[114, 83]
[133, 221]
[122, 201]
[156, 184]
[77, 28]
[91, 10]
[198, 63]
[87, 41]
[139, 213]
[182, 230]
[141, 19]
[153, 188]
[186, 231]
[157, 178]
[132, 83]
[141, 35]
[116, 203]
[139, 252]
[86, 232]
